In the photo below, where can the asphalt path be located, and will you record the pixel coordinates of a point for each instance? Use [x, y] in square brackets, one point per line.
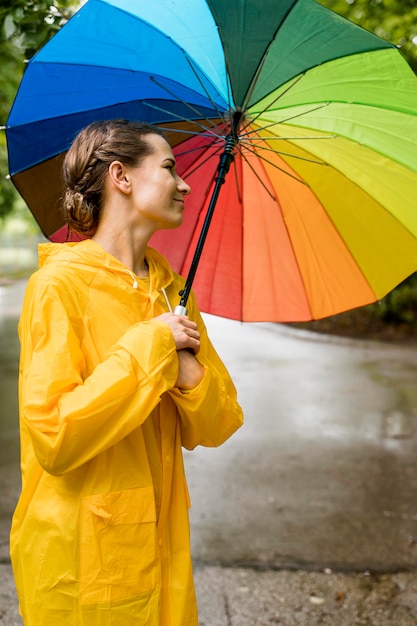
[323, 472]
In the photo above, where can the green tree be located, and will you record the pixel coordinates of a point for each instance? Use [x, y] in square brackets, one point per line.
[393, 20]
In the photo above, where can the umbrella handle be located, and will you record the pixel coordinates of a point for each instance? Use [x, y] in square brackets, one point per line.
[180, 310]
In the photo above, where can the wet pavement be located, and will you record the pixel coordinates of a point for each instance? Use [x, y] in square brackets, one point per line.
[324, 471]
[308, 515]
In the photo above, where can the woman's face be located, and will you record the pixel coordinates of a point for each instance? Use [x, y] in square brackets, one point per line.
[157, 190]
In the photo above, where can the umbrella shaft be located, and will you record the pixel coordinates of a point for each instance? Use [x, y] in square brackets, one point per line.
[226, 159]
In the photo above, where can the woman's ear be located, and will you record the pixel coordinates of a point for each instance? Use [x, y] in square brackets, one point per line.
[119, 177]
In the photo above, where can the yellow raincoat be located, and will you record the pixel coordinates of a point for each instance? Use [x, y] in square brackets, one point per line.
[100, 535]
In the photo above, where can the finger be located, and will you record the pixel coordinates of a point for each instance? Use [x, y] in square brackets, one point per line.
[184, 331]
[185, 321]
[188, 339]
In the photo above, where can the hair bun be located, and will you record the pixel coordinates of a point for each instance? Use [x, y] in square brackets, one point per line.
[78, 199]
[80, 213]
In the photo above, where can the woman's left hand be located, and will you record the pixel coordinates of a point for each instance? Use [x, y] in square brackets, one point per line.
[184, 331]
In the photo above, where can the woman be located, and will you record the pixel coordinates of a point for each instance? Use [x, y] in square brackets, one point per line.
[112, 384]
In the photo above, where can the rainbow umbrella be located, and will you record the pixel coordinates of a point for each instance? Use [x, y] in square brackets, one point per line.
[297, 126]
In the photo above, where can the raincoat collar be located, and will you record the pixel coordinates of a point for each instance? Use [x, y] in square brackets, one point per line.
[91, 254]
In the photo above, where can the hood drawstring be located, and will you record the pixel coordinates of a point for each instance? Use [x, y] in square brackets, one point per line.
[135, 282]
[135, 286]
[166, 298]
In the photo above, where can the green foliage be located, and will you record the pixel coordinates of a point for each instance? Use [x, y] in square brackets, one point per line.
[393, 20]
[25, 26]
[10, 73]
[400, 306]
[8, 194]
[29, 24]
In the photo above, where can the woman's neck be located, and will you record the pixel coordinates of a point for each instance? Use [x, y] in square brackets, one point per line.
[126, 248]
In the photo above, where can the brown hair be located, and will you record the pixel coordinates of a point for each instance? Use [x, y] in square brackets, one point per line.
[86, 164]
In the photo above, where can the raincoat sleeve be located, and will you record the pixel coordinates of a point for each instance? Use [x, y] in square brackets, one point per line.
[209, 413]
[71, 415]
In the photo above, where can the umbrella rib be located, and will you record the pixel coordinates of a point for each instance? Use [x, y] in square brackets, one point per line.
[181, 118]
[262, 63]
[253, 84]
[206, 92]
[281, 169]
[288, 154]
[285, 138]
[273, 102]
[229, 94]
[287, 119]
[190, 150]
[194, 133]
[187, 104]
[273, 196]
[210, 156]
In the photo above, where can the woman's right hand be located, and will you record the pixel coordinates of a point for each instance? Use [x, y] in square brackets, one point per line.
[184, 331]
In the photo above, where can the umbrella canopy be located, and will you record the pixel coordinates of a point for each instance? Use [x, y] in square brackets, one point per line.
[317, 118]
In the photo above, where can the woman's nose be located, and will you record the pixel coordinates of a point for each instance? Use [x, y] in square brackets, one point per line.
[183, 186]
